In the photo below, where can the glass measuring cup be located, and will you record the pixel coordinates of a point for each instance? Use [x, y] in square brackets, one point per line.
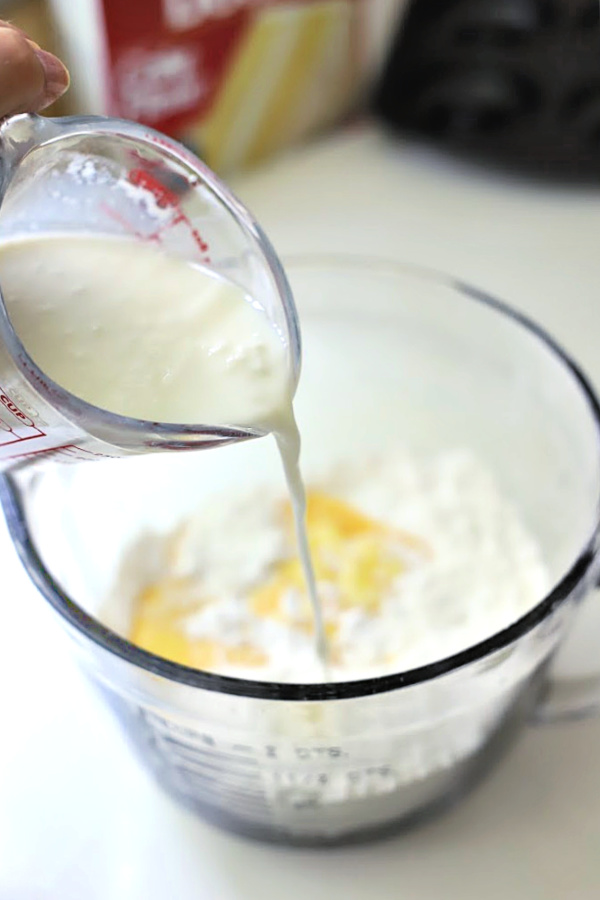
[426, 360]
[110, 177]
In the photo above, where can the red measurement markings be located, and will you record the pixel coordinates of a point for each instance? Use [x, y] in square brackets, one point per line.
[22, 429]
[167, 199]
[164, 197]
[46, 451]
[126, 225]
[178, 149]
[68, 451]
[48, 389]
[14, 409]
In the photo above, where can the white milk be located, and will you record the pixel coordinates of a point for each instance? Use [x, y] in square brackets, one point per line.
[132, 330]
[129, 329]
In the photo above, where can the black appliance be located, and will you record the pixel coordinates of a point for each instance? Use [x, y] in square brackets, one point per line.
[514, 81]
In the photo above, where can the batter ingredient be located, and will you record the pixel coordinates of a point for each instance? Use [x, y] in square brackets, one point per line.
[414, 560]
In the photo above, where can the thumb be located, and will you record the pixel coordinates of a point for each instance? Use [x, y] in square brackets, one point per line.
[30, 78]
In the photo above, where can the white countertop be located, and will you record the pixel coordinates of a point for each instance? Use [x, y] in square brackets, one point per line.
[79, 820]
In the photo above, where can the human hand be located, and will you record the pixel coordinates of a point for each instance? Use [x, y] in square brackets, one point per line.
[30, 78]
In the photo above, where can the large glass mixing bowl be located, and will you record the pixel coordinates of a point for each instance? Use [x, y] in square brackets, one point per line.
[392, 355]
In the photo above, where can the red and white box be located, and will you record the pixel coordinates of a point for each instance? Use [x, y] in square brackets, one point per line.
[238, 80]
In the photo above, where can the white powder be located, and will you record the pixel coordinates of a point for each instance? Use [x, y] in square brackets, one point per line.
[482, 572]
[334, 767]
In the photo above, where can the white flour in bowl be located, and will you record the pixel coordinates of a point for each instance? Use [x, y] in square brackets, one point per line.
[416, 559]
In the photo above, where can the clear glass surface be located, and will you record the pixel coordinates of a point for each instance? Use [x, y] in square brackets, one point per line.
[393, 355]
[106, 176]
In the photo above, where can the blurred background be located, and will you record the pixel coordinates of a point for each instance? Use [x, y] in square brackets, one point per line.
[515, 82]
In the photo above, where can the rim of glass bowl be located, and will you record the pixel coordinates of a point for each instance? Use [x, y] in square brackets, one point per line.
[99, 634]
